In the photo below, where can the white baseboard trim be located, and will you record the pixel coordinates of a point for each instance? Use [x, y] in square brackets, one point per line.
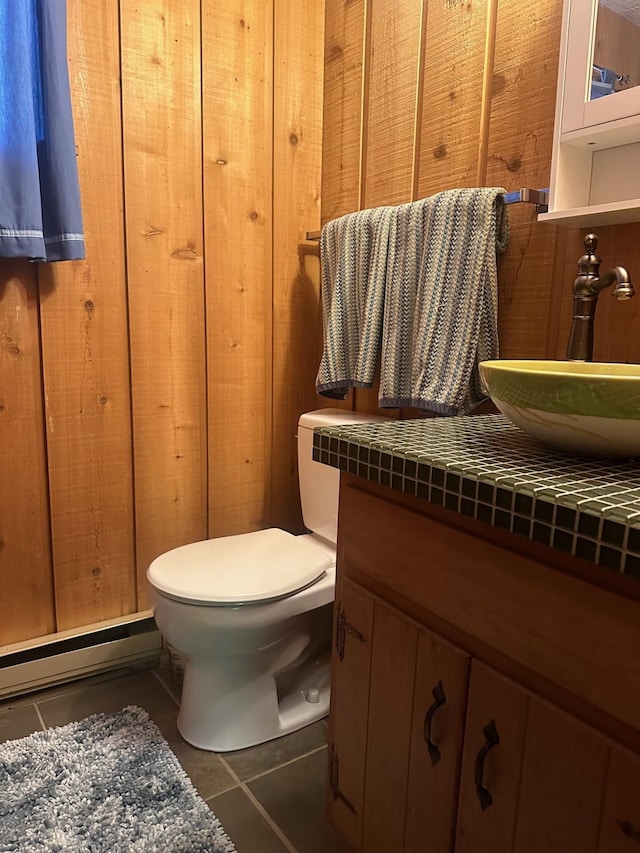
[26, 667]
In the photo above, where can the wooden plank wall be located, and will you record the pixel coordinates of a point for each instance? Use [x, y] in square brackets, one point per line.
[427, 95]
[141, 390]
[85, 359]
[149, 395]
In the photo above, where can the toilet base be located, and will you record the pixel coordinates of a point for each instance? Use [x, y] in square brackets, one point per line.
[220, 713]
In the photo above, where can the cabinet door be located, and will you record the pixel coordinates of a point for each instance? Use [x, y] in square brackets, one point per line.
[620, 826]
[562, 783]
[532, 776]
[353, 623]
[491, 760]
[393, 662]
[439, 706]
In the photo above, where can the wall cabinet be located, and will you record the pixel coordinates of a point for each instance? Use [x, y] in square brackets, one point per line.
[433, 749]
[595, 169]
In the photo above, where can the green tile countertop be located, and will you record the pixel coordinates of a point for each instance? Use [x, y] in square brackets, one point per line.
[483, 467]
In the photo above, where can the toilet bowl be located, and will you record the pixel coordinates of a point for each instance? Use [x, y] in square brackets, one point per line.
[251, 616]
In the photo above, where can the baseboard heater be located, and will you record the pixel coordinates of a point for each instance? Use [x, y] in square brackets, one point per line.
[25, 667]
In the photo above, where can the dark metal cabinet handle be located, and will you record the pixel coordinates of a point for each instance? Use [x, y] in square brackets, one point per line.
[492, 738]
[629, 829]
[439, 700]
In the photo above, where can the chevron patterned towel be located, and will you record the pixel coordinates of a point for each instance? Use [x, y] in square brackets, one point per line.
[441, 298]
[353, 258]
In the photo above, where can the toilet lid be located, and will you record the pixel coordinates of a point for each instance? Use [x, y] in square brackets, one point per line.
[240, 569]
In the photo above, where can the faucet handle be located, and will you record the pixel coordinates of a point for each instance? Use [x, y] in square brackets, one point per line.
[591, 243]
[589, 263]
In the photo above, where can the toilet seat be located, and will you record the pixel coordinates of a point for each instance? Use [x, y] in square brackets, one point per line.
[244, 569]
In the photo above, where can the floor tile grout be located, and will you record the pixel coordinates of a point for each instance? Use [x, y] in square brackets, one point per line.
[167, 687]
[40, 717]
[258, 805]
[280, 766]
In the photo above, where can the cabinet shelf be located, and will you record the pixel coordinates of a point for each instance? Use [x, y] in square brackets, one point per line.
[593, 184]
[596, 214]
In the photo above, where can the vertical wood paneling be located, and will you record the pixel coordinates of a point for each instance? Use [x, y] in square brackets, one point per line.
[389, 132]
[262, 313]
[520, 140]
[391, 102]
[85, 358]
[27, 598]
[487, 89]
[163, 201]
[130, 366]
[237, 56]
[561, 279]
[617, 324]
[342, 115]
[296, 207]
[451, 99]
[345, 75]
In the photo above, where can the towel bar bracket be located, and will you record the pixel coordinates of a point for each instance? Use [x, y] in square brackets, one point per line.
[538, 197]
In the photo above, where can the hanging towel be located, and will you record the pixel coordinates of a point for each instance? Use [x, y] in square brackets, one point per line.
[40, 213]
[440, 315]
[353, 260]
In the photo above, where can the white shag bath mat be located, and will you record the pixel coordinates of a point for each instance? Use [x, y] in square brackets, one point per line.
[107, 783]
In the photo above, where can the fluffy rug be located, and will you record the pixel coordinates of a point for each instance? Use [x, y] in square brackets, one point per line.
[107, 783]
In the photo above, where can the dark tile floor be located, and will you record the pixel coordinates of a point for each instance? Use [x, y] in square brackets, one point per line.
[269, 798]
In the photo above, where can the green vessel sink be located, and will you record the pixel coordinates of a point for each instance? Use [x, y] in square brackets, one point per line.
[583, 408]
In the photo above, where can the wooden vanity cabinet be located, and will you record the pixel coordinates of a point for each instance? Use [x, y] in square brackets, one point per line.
[432, 747]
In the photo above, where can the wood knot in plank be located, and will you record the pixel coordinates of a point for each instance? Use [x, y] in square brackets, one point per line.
[13, 349]
[187, 253]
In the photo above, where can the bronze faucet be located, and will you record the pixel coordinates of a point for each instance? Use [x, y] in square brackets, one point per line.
[586, 288]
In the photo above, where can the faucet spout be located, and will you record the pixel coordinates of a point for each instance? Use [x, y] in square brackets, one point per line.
[624, 288]
[586, 287]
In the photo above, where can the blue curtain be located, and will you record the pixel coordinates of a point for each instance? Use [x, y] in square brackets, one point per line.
[40, 212]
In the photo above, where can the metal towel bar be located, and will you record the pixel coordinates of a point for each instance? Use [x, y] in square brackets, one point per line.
[528, 196]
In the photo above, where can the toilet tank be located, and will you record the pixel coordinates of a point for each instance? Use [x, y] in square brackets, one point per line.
[320, 484]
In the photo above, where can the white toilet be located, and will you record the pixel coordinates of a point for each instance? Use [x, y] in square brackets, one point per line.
[252, 615]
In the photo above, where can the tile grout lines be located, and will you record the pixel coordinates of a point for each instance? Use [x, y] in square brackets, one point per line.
[258, 805]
